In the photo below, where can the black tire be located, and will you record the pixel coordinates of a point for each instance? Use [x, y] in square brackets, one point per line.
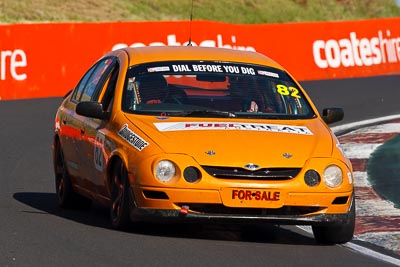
[337, 234]
[66, 197]
[120, 204]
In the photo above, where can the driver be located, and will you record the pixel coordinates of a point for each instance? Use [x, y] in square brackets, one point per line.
[245, 89]
[152, 88]
[253, 107]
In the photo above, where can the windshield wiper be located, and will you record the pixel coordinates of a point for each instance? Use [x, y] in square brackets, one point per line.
[209, 113]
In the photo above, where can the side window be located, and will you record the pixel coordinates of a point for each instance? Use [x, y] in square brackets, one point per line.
[79, 89]
[109, 88]
[96, 81]
[91, 84]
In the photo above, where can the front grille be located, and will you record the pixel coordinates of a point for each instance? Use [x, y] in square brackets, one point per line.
[219, 209]
[260, 174]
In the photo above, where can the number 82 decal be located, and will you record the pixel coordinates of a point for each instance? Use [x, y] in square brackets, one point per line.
[284, 90]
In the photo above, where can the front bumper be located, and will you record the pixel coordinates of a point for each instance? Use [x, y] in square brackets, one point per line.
[305, 213]
[158, 215]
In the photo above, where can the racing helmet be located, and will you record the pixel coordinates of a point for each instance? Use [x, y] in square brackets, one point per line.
[152, 87]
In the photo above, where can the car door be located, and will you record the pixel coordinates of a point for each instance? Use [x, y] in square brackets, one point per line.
[89, 89]
[92, 155]
[70, 129]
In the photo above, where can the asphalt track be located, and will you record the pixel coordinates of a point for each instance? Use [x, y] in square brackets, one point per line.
[35, 232]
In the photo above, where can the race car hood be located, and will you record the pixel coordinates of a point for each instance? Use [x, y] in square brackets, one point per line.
[237, 143]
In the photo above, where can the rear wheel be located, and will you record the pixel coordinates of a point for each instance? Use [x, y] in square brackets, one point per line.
[66, 196]
[337, 234]
[120, 205]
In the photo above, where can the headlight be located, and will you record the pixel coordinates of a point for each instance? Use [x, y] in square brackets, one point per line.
[165, 171]
[333, 176]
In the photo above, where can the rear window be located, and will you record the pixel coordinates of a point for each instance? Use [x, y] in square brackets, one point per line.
[213, 89]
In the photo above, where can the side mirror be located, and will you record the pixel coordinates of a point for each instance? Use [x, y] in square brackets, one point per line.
[331, 115]
[91, 109]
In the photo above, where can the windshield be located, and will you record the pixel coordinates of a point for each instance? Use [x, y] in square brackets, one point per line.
[213, 89]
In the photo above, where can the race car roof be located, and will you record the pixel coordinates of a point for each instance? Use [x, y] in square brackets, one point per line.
[140, 55]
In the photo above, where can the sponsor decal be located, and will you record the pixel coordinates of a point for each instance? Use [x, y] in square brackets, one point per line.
[189, 126]
[284, 90]
[98, 151]
[158, 69]
[268, 73]
[255, 195]
[11, 62]
[214, 68]
[354, 51]
[221, 41]
[181, 68]
[132, 138]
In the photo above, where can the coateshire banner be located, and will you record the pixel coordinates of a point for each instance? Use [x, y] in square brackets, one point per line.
[46, 60]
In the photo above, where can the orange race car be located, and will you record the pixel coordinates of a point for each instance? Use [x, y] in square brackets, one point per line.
[197, 134]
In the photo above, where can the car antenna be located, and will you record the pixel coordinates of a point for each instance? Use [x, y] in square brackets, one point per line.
[190, 26]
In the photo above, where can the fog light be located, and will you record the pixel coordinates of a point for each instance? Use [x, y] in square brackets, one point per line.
[312, 178]
[191, 174]
[165, 171]
[333, 176]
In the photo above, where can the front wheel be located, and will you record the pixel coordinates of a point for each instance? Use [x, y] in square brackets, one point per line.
[120, 206]
[337, 234]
